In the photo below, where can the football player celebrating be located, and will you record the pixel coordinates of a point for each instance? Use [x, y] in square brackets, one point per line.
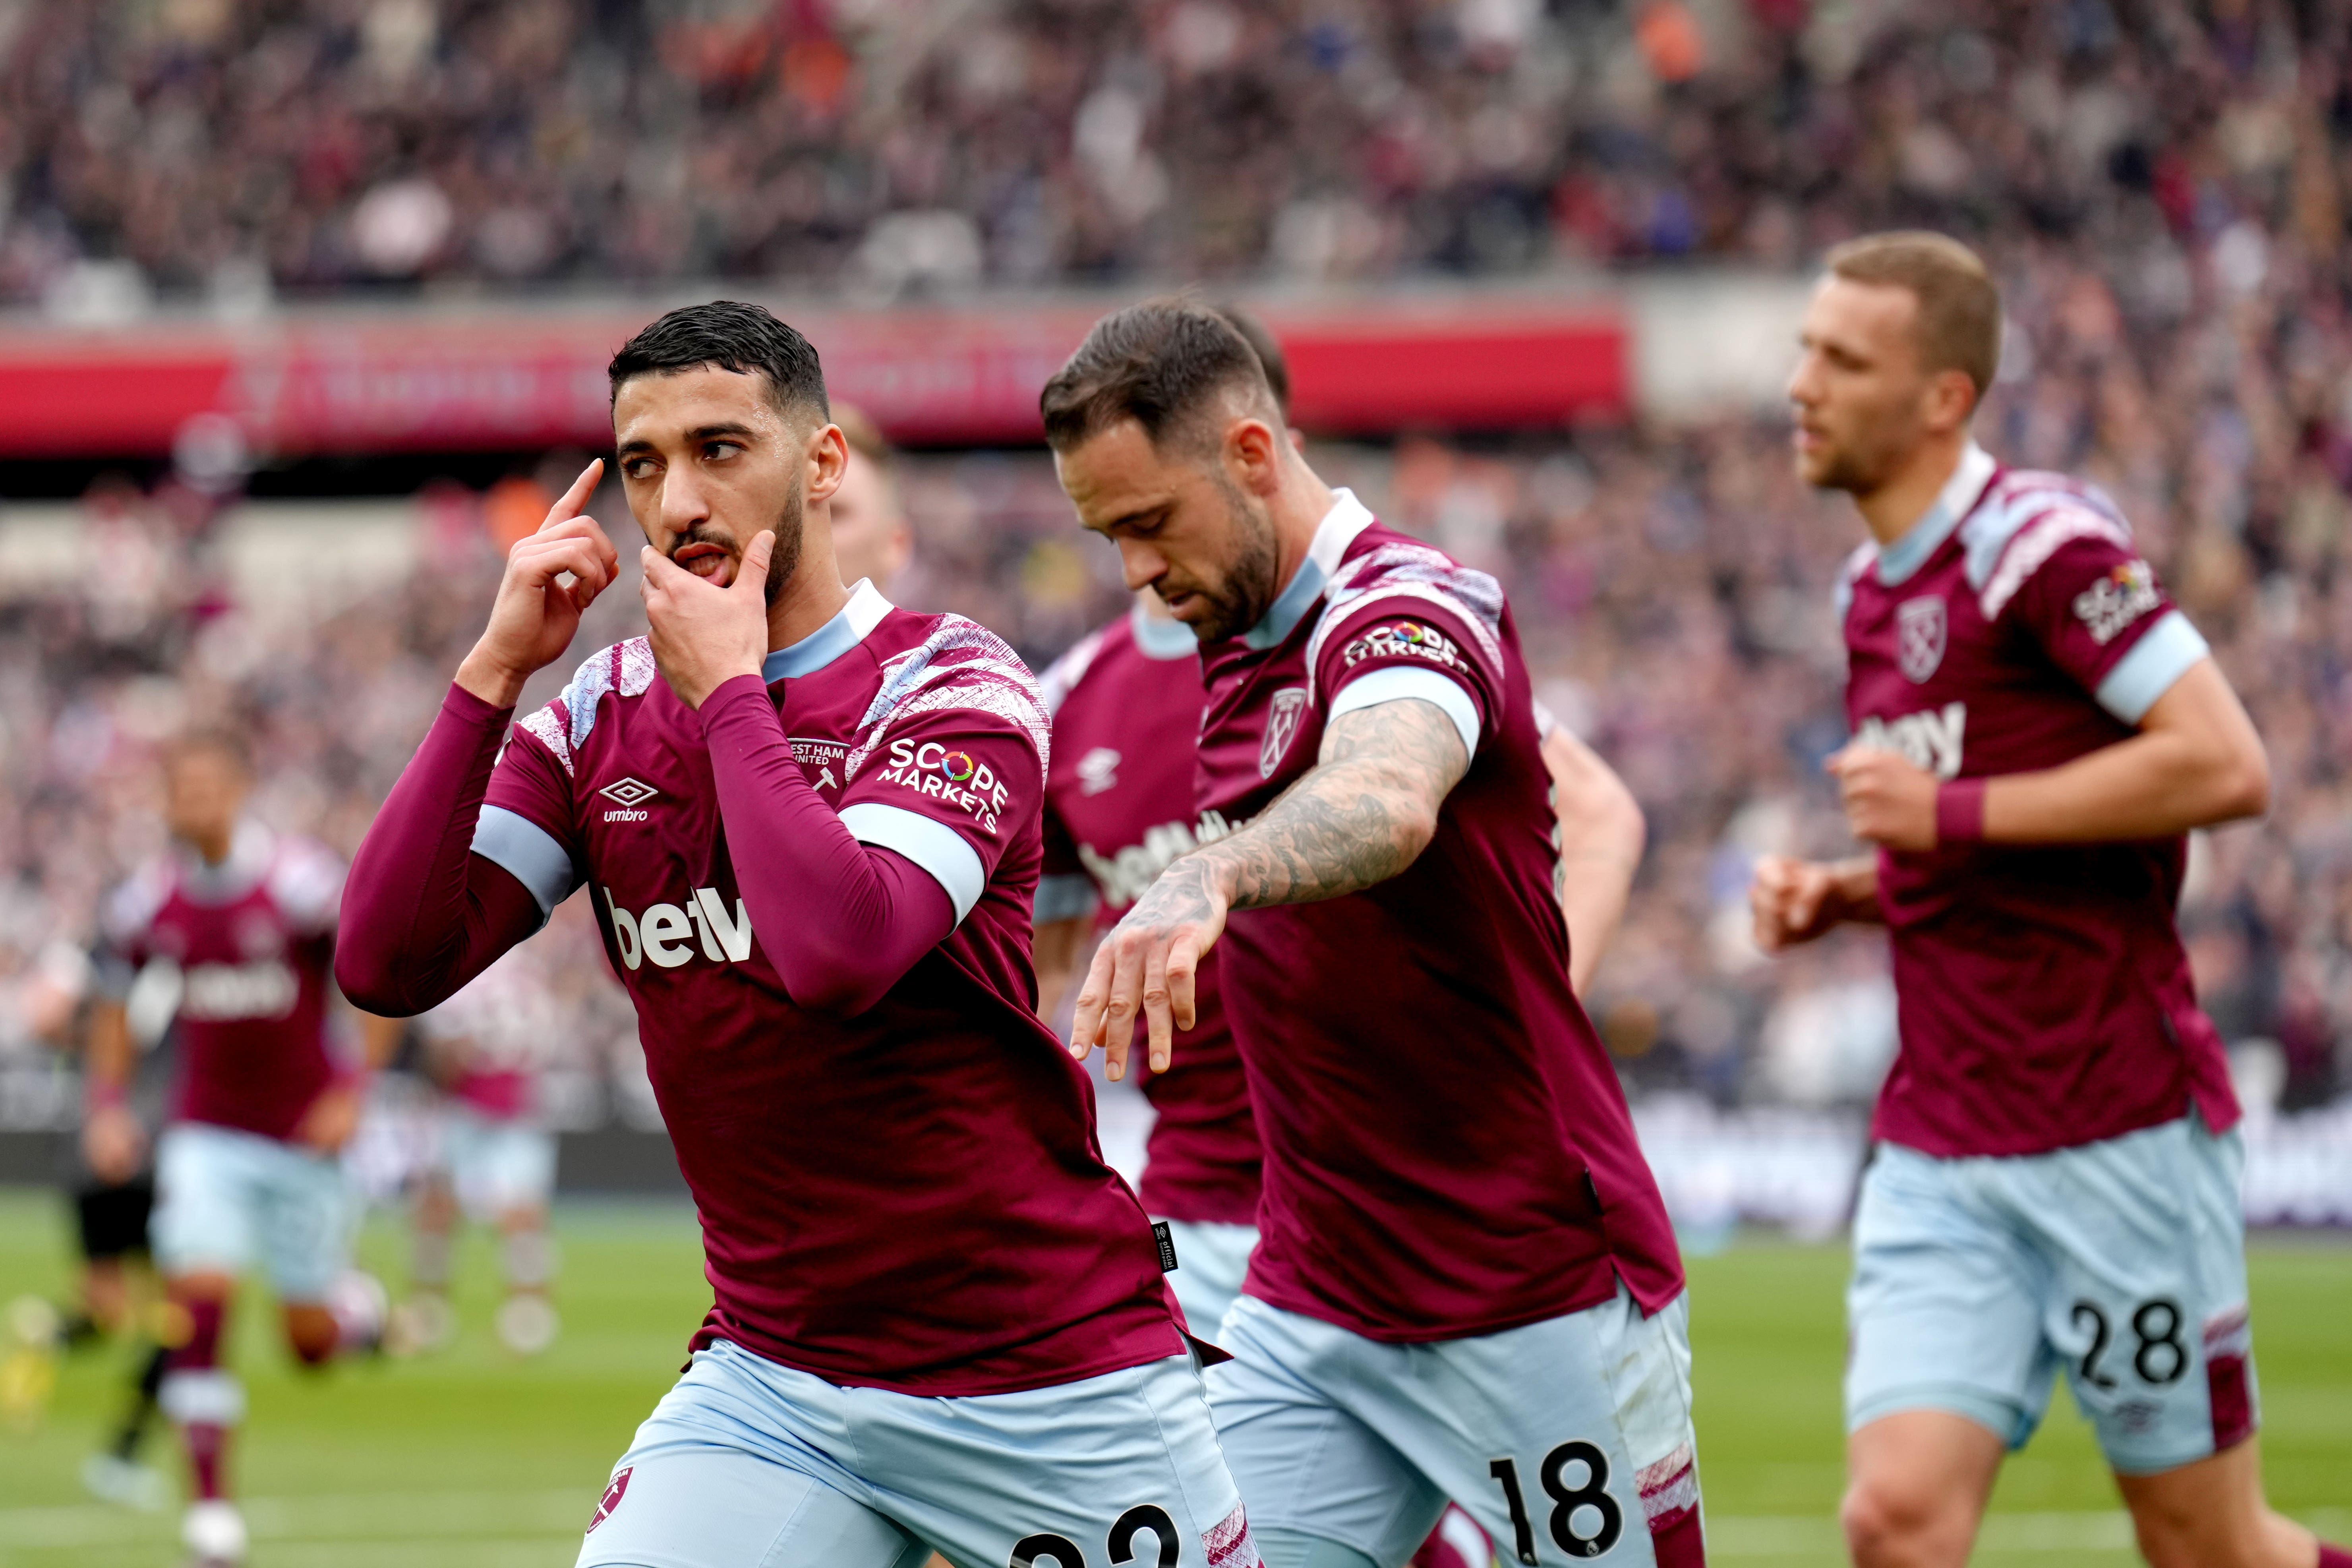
[1464, 1283]
[809, 825]
[2055, 1178]
[246, 1168]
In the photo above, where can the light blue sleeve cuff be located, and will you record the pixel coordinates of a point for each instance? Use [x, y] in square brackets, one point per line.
[511, 840]
[2163, 655]
[1394, 681]
[1065, 898]
[928, 842]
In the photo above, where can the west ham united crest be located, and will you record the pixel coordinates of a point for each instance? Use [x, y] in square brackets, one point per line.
[1920, 636]
[613, 1491]
[1282, 716]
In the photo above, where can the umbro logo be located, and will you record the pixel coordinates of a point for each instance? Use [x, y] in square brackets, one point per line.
[630, 795]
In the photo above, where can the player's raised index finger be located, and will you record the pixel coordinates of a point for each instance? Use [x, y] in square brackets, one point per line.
[568, 507]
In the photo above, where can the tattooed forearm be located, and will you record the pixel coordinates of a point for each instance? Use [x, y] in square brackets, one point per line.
[1363, 813]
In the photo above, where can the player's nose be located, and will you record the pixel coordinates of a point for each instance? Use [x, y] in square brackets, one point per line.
[1142, 564]
[683, 504]
[1804, 385]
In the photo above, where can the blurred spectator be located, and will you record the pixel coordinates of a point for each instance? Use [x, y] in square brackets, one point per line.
[871, 536]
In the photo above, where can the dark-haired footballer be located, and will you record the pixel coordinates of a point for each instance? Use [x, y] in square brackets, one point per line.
[1464, 1284]
[809, 825]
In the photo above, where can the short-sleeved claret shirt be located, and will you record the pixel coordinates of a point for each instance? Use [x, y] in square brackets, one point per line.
[1448, 1150]
[2043, 994]
[1119, 807]
[252, 938]
[910, 1199]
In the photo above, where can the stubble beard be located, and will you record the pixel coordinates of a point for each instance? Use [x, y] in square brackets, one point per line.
[1863, 464]
[790, 529]
[1248, 589]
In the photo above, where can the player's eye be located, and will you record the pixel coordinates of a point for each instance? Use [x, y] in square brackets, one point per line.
[638, 469]
[719, 451]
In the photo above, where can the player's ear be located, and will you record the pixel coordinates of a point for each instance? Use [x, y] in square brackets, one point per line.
[1252, 454]
[827, 461]
[1951, 399]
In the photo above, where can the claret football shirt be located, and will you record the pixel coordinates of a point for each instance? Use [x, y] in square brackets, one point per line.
[1119, 807]
[2043, 994]
[1447, 1148]
[252, 938]
[911, 1197]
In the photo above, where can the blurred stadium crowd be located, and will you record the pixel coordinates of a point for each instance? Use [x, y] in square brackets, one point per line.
[2162, 188]
[237, 148]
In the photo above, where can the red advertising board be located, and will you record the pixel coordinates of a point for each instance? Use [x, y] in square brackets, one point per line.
[447, 381]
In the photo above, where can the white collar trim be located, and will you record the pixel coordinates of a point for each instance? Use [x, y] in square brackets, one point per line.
[864, 611]
[1952, 505]
[1347, 518]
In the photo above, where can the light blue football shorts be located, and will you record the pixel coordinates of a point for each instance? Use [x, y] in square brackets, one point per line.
[1212, 1260]
[495, 1165]
[2121, 1262]
[749, 1463]
[226, 1200]
[1567, 1440]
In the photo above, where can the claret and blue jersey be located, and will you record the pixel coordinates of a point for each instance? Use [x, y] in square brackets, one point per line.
[1378, 1029]
[2044, 995]
[1119, 807]
[966, 1239]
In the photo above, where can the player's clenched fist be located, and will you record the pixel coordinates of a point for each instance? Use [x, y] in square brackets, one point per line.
[1796, 900]
[1889, 800]
[1788, 899]
[537, 613]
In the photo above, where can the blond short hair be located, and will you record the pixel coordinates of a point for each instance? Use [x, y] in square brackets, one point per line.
[1959, 305]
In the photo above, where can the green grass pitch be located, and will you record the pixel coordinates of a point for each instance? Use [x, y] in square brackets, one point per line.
[470, 1459]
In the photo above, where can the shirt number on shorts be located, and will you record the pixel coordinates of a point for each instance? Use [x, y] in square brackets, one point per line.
[1036, 1551]
[1567, 1502]
[2158, 1354]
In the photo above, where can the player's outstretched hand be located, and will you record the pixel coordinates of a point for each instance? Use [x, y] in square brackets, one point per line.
[703, 635]
[1889, 800]
[1147, 965]
[537, 613]
[1792, 901]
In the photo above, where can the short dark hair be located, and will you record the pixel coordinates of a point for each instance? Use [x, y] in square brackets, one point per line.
[732, 336]
[1269, 353]
[1158, 363]
[1959, 304]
